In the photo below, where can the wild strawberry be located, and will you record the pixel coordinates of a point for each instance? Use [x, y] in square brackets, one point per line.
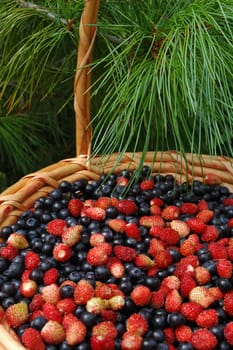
[217, 250]
[68, 319]
[163, 259]
[18, 241]
[62, 252]
[51, 293]
[230, 252]
[36, 303]
[183, 333]
[35, 314]
[155, 210]
[228, 303]
[104, 291]
[124, 253]
[203, 339]
[171, 212]
[157, 299]
[126, 207]
[166, 234]
[202, 205]
[210, 234]
[96, 239]
[96, 305]
[72, 235]
[147, 184]
[169, 334]
[122, 181]
[97, 256]
[173, 301]
[191, 310]
[202, 275]
[105, 329]
[205, 215]
[149, 221]
[207, 318]
[184, 268]
[66, 305]
[188, 208]
[75, 333]
[133, 231]
[230, 223]
[75, 206]
[106, 202]
[8, 252]
[155, 247]
[131, 341]
[25, 275]
[31, 260]
[116, 268]
[196, 225]
[83, 292]
[17, 314]
[52, 313]
[181, 227]
[97, 214]
[109, 315]
[144, 262]
[187, 283]
[202, 296]
[140, 295]
[136, 324]
[228, 332]
[224, 268]
[53, 332]
[228, 202]
[172, 282]
[28, 288]
[116, 302]
[32, 339]
[99, 343]
[50, 276]
[190, 261]
[216, 292]
[157, 201]
[187, 247]
[117, 225]
[56, 227]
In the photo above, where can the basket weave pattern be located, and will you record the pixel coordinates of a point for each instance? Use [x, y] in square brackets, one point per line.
[22, 195]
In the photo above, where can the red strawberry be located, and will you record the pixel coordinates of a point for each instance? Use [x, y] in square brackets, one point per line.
[66, 305]
[75, 332]
[133, 231]
[96, 239]
[196, 225]
[202, 205]
[140, 295]
[116, 267]
[28, 288]
[203, 339]
[157, 201]
[75, 206]
[131, 341]
[173, 301]
[18, 241]
[97, 255]
[105, 202]
[171, 282]
[8, 252]
[50, 276]
[202, 275]
[124, 253]
[36, 303]
[224, 268]
[53, 332]
[72, 235]
[157, 299]
[155, 247]
[99, 343]
[228, 303]
[32, 339]
[188, 208]
[52, 313]
[122, 181]
[163, 259]
[117, 225]
[166, 234]
[155, 210]
[205, 215]
[25, 275]
[62, 252]
[147, 184]
[210, 234]
[109, 315]
[169, 334]
[83, 292]
[17, 314]
[171, 212]
[56, 227]
[207, 318]
[126, 206]
[202, 296]
[51, 293]
[144, 262]
[104, 291]
[187, 283]
[228, 201]
[191, 310]
[230, 223]
[217, 250]
[105, 329]
[181, 227]
[31, 260]
[94, 213]
[228, 332]
[183, 333]
[187, 247]
[136, 324]
[151, 220]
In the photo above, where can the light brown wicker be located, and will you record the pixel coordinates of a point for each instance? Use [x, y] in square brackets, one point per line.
[21, 195]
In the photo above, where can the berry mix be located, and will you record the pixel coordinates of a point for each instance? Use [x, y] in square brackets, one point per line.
[121, 263]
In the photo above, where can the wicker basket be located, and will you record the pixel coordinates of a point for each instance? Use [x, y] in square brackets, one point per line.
[23, 193]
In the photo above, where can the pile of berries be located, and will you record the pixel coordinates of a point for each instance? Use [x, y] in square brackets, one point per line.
[121, 263]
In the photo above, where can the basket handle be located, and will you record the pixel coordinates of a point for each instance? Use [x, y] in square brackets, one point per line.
[82, 81]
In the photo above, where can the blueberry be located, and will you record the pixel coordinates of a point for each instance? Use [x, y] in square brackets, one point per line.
[148, 344]
[224, 284]
[162, 346]
[175, 319]
[67, 291]
[82, 346]
[185, 346]
[38, 322]
[65, 346]
[88, 318]
[159, 321]
[223, 345]
[102, 273]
